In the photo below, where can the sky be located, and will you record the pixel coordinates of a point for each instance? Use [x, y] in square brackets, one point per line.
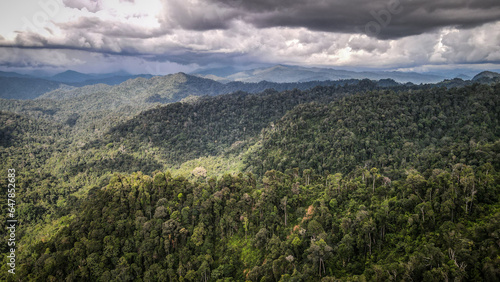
[167, 36]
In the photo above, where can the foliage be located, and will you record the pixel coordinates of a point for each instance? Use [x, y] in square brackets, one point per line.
[418, 228]
[422, 129]
[353, 182]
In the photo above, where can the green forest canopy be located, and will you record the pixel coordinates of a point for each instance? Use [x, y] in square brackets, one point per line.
[350, 183]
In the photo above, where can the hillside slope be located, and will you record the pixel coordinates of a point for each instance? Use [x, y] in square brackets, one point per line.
[25, 88]
[211, 125]
[418, 129]
[487, 77]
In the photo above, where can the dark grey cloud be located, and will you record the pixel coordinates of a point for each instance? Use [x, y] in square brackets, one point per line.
[57, 60]
[386, 19]
[186, 57]
[179, 55]
[112, 28]
[198, 15]
[228, 32]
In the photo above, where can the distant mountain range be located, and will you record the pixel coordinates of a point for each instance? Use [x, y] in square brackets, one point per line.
[22, 87]
[145, 88]
[25, 88]
[81, 79]
[13, 74]
[485, 77]
[139, 88]
[175, 87]
[285, 73]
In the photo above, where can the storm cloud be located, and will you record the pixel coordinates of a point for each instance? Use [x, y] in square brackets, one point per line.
[388, 34]
[396, 18]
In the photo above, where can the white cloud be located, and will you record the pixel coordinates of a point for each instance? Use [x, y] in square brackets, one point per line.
[175, 33]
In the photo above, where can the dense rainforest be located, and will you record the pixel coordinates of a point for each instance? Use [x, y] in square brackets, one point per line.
[359, 181]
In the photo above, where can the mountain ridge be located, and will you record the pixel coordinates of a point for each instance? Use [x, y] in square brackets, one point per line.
[175, 87]
[284, 73]
[486, 76]
[26, 88]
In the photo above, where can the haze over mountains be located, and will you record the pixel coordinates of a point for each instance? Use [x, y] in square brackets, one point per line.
[284, 73]
[80, 79]
[210, 81]
[20, 86]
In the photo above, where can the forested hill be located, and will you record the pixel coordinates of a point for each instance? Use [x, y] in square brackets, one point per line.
[349, 183]
[175, 87]
[420, 129]
[90, 146]
[210, 125]
[101, 106]
[25, 88]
